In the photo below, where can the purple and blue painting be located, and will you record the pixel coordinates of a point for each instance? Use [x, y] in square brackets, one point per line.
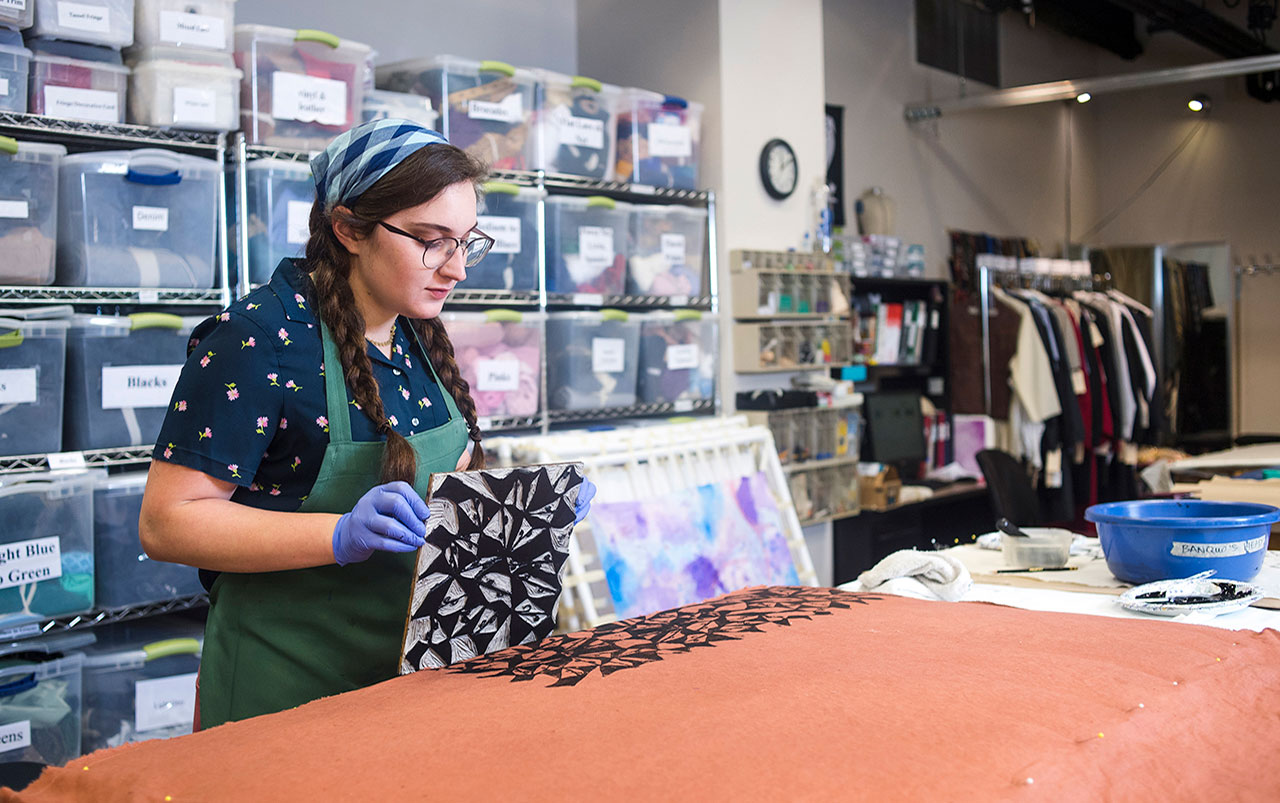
[690, 546]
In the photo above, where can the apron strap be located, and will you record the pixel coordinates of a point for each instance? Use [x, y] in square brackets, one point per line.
[335, 389]
[450, 404]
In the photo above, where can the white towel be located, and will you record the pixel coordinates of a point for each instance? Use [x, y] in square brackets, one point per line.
[943, 575]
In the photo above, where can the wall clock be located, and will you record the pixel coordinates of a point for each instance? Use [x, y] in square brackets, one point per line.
[778, 169]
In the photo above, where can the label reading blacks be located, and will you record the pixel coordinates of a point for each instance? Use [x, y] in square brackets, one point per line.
[15, 736]
[196, 30]
[18, 386]
[130, 386]
[307, 99]
[500, 375]
[508, 110]
[582, 132]
[674, 141]
[164, 702]
[505, 232]
[94, 105]
[608, 355]
[682, 356]
[195, 106]
[81, 17]
[23, 562]
[1185, 549]
[595, 245]
[150, 218]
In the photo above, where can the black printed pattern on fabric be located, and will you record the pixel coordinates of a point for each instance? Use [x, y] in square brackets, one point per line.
[631, 643]
[489, 575]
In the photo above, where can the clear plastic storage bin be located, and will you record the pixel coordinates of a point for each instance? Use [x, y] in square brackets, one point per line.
[668, 244]
[15, 66]
[659, 139]
[301, 88]
[121, 372]
[144, 218]
[99, 22]
[278, 213]
[574, 125]
[509, 215]
[40, 709]
[17, 14]
[28, 211]
[140, 687]
[487, 105]
[89, 89]
[46, 545]
[125, 575]
[184, 88]
[382, 104]
[592, 359]
[33, 356]
[500, 355]
[587, 245]
[190, 24]
[677, 357]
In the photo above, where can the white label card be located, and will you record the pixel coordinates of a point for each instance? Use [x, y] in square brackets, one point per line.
[65, 461]
[673, 249]
[608, 355]
[4, 87]
[94, 105]
[675, 141]
[595, 245]
[19, 210]
[588, 299]
[81, 17]
[582, 132]
[195, 106]
[148, 295]
[128, 386]
[15, 736]
[297, 222]
[164, 702]
[500, 375]
[150, 218]
[16, 5]
[23, 562]
[508, 110]
[505, 231]
[1231, 549]
[18, 386]
[307, 99]
[683, 356]
[196, 30]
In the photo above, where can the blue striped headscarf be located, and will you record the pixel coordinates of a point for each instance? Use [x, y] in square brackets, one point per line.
[357, 158]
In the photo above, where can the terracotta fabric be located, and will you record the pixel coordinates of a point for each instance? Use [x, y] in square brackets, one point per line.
[770, 693]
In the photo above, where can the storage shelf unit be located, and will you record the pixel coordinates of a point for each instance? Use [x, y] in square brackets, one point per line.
[16, 294]
[811, 465]
[75, 132]
[634, 411]
[123, 456]
[106, 616]
[588, 300]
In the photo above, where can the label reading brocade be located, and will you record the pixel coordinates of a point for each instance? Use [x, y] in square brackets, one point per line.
[505, 232]
[675, 141]
[682, 356]
[499, 375]
[508, 110]
[131, 386]
[15, 736]
[595, 245]
[24, 562]
[195, 106]
[18, 386]
[164, 702]
[94, 105]
[196, 30]
[297, 222]
[150, 218]
[608, 355]
[581, 132]
[673, 249]
[1184, 549]
[17, 210]
[80, 17]
[307, 99]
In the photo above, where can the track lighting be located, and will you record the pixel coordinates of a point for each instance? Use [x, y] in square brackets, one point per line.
[1199, 103]
[1084, 97]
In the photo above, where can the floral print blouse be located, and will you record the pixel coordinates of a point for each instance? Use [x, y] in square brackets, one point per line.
[249, 407]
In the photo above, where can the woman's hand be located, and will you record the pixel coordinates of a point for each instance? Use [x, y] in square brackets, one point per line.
[586, 492]
[388, 518]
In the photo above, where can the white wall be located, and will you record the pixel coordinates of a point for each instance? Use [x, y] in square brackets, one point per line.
[540, 34]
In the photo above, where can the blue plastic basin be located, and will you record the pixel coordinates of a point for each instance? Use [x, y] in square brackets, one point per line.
[1165, 539]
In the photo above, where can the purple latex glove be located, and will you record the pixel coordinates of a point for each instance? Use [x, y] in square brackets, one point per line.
[388, 518]
[586, 492]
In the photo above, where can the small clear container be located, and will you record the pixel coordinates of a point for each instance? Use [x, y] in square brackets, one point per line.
[508, 214]
[574, 125]
[787, 293]
[668, 246]
[383, 104]
[587, 244]
[99, 22]
[125, 575]
[595, 362]
[89, 89]
[278, 213]
[184, 88]
[782, 425]
[33, 356]
[40, 710]
[659, 140]
[487, 105]
[15, 66]
[28, 211]
[1047, 547]
[677, 357]
[301, 87]
[189, 24]
[500, 355]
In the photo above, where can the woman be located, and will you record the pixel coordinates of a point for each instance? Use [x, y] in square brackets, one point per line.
[307, 420]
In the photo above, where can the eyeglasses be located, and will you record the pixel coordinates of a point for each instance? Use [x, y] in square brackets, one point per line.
[436, 252]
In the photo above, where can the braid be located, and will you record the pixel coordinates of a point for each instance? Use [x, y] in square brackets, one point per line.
[440, 350]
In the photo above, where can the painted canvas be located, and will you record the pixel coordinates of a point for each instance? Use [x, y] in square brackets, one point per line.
[691, 546]
[491, 570]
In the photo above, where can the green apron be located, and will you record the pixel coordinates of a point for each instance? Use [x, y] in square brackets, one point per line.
[275, 640]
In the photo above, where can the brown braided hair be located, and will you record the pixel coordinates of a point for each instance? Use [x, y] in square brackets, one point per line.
[422, 176]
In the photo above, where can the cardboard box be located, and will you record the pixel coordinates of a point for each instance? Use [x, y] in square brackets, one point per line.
[880, 491]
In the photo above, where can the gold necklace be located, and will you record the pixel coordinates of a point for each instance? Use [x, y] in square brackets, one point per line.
[384, 343]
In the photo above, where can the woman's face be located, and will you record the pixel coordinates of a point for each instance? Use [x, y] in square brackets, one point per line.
[389, 268]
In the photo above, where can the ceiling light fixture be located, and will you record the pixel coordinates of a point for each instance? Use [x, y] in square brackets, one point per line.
[1199, 103]
[1084, 97]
